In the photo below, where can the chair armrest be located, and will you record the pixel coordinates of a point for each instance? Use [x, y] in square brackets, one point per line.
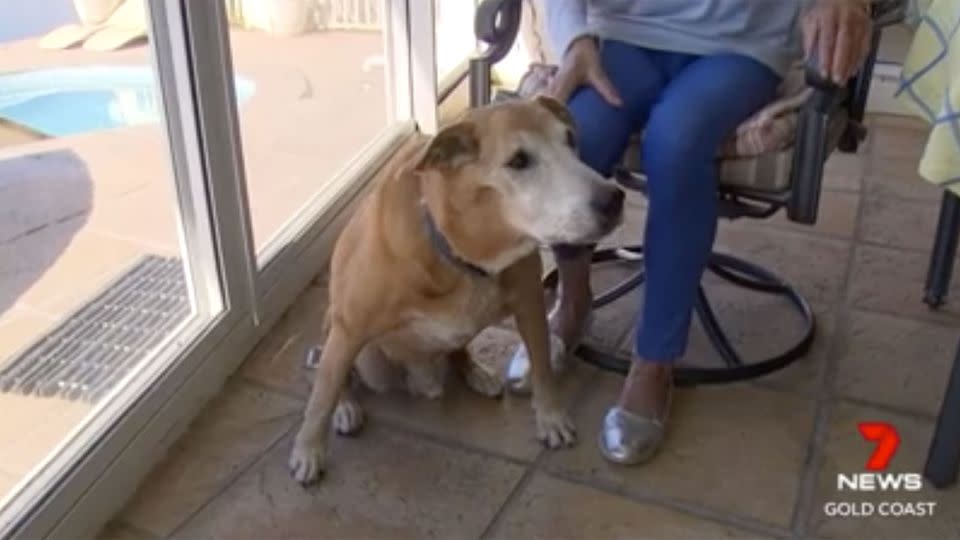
[496, 24]
[811, 143]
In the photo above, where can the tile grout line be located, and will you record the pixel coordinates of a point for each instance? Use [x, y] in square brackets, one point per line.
[140, 532]
[689, 509]
[450, 444]
[860, 402]
[937, 321]
[810, 473]
[579, 399]
[743, 523]
[241, 471]
[267, 387]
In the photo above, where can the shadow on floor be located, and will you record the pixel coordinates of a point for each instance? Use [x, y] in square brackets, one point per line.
[45, 199]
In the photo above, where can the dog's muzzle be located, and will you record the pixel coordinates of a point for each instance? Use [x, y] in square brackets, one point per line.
[607, 204]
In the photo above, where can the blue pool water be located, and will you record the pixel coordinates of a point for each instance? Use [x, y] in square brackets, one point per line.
[67, 101]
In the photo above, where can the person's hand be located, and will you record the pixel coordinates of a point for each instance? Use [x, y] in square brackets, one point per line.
[581, 66]
[838, 33]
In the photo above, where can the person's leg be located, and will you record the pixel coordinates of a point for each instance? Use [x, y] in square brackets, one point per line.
[702, 105]
[603, 132]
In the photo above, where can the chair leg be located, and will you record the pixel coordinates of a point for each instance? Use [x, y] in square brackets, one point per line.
[943, 458]
[944, 251]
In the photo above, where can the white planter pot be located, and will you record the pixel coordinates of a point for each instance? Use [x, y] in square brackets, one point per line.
[95, 11]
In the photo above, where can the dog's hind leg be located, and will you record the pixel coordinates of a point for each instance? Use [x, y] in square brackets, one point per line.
[426, 376]
[348, 416]
[376, 371]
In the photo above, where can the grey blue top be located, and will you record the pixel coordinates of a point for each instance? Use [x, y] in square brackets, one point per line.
[766, 30]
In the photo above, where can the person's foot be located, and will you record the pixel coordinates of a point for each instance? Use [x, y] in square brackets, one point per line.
[633, 429]
[569, 320]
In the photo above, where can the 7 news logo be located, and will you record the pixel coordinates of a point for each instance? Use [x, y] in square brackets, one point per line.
[886, 442]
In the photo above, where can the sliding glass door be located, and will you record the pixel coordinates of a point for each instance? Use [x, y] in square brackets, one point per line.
[172, 174]
[108, 262]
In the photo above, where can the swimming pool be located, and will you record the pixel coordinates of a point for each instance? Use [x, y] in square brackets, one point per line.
[67, 101]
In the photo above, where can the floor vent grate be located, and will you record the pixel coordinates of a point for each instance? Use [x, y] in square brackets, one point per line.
[88, 353]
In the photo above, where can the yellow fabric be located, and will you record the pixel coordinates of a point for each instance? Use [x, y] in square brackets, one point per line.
[930, 86]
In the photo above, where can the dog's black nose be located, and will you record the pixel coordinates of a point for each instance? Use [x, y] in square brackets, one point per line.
[608, 202]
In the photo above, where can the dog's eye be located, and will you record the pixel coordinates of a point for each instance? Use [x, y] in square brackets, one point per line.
[520, 160]
[571, 139]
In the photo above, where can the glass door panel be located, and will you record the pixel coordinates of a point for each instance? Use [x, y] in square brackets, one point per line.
[99, 280]
[312, 94]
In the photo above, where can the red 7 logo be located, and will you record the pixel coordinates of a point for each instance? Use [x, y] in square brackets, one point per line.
[887, 439]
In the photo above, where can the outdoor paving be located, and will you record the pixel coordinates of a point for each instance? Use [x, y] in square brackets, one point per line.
[78, 211]
[750, 460]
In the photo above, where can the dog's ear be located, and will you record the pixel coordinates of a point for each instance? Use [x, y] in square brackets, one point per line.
[454, 146]
[557, 109]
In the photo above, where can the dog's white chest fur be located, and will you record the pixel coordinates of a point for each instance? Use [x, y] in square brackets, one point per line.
[475, 308]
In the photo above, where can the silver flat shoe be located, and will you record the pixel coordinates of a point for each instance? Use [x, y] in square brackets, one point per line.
[628, 438]
[518, 368]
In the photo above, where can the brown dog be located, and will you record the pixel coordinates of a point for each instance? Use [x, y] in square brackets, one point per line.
[446, 245]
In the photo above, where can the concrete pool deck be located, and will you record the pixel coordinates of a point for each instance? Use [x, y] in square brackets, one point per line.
[77, 211]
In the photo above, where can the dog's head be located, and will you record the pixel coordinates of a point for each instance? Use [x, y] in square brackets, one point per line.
[507, 177]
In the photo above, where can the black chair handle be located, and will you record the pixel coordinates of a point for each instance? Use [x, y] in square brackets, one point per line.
[810, 150]
[497, 24]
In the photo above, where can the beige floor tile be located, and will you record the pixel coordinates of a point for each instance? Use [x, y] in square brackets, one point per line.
[19, 328]
[146, 216]
[233, 432]
[723, 443]
[504, 425]
[846, 452]
[380, 485]
[897, 140]
[837, 216]
[119, 531]
[893, 281]
[844, 171]
[551, 509]
[899, 178]
[898, 362]
[761, 326]
[278, 360]
[7, 482]
[899, 223]
[39, 426]
[55, 271]
[815, 266]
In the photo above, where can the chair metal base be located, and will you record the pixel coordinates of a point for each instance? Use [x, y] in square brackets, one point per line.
[732, 270]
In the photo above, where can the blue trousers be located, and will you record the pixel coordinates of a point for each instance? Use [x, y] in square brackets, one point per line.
[687, 106]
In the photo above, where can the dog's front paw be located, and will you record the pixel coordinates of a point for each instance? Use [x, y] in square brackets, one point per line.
[555, 429]
[306, 463]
